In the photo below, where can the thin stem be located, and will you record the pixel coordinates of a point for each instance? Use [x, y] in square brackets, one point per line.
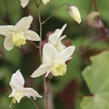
[102, 29]
[40, 2]
[55, 11]
[36, 106]
[39, 16]
[95, 5]
[36, 4]
[33, 44]
[49, 82]
[40, 54]
[45, 91]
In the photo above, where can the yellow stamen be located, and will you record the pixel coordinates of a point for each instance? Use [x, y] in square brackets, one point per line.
[59, 69]
[17, 96]
[18, 39]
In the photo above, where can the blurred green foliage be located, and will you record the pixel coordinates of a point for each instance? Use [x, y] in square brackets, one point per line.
[97, 79]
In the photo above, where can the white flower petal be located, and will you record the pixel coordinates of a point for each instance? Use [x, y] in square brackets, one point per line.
[24, 23]
[66, 53]
[17, 80]
[41, 70]
[4, 30]
[30, 92]
[12, 93]
[8, 45]
[45, 1]
[24, 3]
[49, 53]
[31, 35]
[56, 35]
[61, 38]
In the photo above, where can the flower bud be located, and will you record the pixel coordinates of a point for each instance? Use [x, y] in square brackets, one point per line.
[75, 14]
[91, 17]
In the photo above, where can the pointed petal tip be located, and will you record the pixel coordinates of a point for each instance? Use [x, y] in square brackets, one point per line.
[33, 75]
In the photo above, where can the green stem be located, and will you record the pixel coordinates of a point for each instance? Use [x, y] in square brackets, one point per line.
[55, 11]
[36, 106]
[40, 49]
[102, 29]
[40, 53]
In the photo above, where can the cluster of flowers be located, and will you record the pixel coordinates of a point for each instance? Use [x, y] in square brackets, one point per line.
[54, 53]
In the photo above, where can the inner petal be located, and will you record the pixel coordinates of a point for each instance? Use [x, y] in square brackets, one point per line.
[18, 39]
[59, 69]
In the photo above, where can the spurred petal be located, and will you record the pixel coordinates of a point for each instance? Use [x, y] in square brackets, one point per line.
[8, 45]
[49, 53]
[41, 70]
[45, 1]
[24, 23]
[4, 30]
[24, 3]
[17, 80]
[31, 35]
[30, 92]
[64, 36]
[66, 53]
[56, 35]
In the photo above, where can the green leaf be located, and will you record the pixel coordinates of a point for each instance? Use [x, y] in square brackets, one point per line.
[97, 79]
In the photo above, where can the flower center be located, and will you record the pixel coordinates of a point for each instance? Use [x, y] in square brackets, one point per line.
[17, 97]
[59, 69]
[18, 39]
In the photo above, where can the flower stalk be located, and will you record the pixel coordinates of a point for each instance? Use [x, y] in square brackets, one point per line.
[55, 11]
[40, 52]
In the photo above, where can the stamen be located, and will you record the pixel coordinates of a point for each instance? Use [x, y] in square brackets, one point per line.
[18, 39]
[59, 69]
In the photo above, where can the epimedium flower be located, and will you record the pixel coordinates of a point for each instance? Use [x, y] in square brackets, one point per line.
[17, 35]
[18, 89]
[74, 13]
[53, 61]
[24, 3]
[45, 1]
[56, 40]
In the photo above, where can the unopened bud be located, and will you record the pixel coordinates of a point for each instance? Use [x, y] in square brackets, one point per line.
[75, 14]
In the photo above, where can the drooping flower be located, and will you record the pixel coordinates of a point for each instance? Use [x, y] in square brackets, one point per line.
[18, 90]
[17, 35]
[74, 13]
[45, 1]
[24, 3]
[54, 61]
[56, 40]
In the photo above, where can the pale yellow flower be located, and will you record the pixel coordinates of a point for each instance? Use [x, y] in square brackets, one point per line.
[45, 1]
[54, 61]
[56, 40]
[17, 35]
[24, 3]
[18, 89]
[75, 14]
